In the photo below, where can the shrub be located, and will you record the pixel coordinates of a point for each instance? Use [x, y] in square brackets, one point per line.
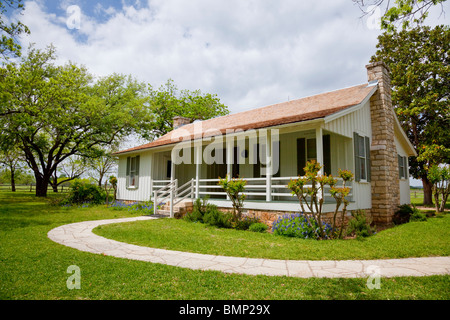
[217, 218]
[360, 225]
[407, 213]
[244, 223]
[82, 192]
[258, 227]
[300, 226]
[198, 211]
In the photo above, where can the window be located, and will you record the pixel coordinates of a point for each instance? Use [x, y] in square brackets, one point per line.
[133, 172]
[362, 157]
[402, 167]
[307, 151]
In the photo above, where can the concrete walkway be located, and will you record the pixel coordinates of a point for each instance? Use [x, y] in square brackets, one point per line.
[79, 236]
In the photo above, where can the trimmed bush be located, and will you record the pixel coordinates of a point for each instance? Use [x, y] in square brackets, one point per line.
[258, 227]
[217, 218]
[360, 225]
[407, 213]
[82, 192]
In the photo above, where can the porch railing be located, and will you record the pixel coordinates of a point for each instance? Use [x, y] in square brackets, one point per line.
[256, 189]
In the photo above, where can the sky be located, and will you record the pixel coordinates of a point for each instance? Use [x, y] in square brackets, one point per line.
[251, 53]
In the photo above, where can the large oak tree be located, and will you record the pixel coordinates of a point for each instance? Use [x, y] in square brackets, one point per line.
[419, 60]
[52, 112]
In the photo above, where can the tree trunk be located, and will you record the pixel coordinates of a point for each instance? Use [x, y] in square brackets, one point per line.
[427, 191]
[41, 186]
[13, 180]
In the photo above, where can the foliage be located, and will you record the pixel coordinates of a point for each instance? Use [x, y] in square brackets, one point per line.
[85, 192]
[145, 207]
[407, 213]
[69, 114]
[258, 227]
[9, 46]
[300, 226]
[402, 12]
[244, 223]
[359, 225]
[439, 176]
[309, 190]
[167, 102]
[419, 66]
[234, 189]
[217, 218]
[198, 211]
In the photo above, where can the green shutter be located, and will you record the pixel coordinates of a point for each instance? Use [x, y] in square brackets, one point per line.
[257, 165]
[356, 154]
[405, 166]
[301, 156]
[128, 172]
[326, 154]
[400, 162]
[368, 168]
[137, 172]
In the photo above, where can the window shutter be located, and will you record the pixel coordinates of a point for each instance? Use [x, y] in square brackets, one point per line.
[137, 172]
[400, 160]
[356, 154]
[128, 172]
[257, 165]
[405, 166]
[326, 154]
[368, 169]
[301, 156]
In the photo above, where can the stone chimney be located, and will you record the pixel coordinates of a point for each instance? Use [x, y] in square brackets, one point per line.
[180, 121]
[383, 152]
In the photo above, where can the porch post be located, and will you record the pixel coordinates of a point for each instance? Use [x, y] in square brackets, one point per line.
[151, 176]
[172, 178]
[198, 157]
[268, 166]
[230, 157]
[319, 147]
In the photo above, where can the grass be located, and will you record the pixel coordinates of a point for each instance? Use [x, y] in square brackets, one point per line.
[33, 267]
[415, 239]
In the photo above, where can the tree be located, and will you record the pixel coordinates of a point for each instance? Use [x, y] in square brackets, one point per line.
[69, 169]
[54, 112]
[102, 164]
[420, 77]
[11, 159]
[234, 188]
[167, 102]
[407, 13]
[10, 30]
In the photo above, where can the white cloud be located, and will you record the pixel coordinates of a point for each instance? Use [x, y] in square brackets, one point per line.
[251, 53]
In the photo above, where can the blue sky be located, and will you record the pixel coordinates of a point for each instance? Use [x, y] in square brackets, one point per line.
[251, 53]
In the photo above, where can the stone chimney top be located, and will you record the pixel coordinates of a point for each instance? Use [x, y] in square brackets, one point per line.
[179, 121]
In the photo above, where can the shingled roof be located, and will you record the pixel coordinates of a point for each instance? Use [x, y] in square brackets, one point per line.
[309, 108]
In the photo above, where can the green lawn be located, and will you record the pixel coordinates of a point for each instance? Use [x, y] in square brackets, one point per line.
[33, 267]
[415, 239]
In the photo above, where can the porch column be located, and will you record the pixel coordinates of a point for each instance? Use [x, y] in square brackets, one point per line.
[319, 147]
[229, 158]
[198, 158]
[268, 166]
[172, 178]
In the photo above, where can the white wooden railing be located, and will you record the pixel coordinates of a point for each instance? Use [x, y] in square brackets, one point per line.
[168, 191]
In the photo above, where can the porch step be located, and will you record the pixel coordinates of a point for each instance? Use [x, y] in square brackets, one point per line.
[180, 208]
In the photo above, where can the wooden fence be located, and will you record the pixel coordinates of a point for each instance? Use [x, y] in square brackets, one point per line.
[31, 188]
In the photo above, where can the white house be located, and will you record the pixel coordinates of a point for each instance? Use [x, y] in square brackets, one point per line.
[353, 128]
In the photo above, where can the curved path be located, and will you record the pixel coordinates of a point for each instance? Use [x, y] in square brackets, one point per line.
[80, 236]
